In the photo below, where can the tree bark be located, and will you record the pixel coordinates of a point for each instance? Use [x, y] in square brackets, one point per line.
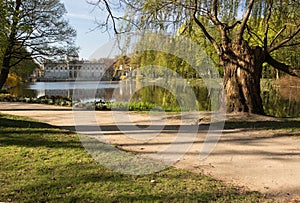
[242, 73]
[3, 76]
[4, 71]
[11, 42]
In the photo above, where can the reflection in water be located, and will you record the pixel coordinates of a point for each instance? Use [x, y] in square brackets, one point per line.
[281, 101]
[164, 97]
[99, 90]
[23, 91]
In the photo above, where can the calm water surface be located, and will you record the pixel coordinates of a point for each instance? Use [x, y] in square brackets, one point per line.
[277, 101]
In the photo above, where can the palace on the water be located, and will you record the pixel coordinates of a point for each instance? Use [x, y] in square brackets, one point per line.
[71, 68]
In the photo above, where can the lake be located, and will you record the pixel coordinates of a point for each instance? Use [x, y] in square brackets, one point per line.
[281, 101]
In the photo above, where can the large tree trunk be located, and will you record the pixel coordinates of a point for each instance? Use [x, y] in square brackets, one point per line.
[3, 77]
[242, 73]
[12, 41]
[4, 71]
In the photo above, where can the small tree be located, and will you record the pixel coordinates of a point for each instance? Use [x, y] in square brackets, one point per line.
[235, 25]
[35, 25]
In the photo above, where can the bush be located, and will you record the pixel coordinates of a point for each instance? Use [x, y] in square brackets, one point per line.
[96, 105]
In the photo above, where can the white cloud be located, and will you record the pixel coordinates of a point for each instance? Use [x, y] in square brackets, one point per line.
[80, 16]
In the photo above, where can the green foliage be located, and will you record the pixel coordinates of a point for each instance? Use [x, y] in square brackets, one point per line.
[13, 80]
[191, 31]
[35, 22]
[159, 61]
[53, 100]
[280, 101]
[173, 99]
[269, 23]
[283, 22]
[278, 97]
[24, 69]
[32, 29]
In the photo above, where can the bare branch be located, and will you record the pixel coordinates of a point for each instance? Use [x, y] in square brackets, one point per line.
[111, 16]
[20, 60]
[291, 45]
[283, 42]
[277, 35]
[254, 34]
[244, 22]
[281, 66]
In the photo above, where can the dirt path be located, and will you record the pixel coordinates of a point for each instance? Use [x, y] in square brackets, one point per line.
[260, 154]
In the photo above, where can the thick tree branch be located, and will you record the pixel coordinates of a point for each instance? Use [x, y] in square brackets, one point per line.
[215, 13]
[222, 27]
[27, 57]
[207, 35]
[244, 22]
[281, 66]
[230, 27]
[283, 42]
[291, 45]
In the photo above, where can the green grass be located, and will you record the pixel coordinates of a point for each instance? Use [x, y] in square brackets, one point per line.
[40, 163]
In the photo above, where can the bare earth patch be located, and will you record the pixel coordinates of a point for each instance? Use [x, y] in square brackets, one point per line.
[254, 152]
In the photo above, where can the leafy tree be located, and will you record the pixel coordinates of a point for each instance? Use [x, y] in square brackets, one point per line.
[235, 24]
[158, 59]
[36, 26]
[23, 69]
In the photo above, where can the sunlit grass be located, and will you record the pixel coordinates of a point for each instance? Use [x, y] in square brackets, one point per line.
[40, 163]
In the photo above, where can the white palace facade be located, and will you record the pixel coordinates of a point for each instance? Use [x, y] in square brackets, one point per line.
[72, 70]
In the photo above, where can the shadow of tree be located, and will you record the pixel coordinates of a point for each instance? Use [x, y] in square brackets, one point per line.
[44, 164]
[12, 121]
[31, 134]
[263, 125]
[94, 183]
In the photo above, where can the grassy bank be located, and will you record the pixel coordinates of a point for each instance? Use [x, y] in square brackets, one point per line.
[40, 163]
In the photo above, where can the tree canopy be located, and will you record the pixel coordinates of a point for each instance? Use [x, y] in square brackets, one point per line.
[244, 34]
[37, 26]
[271, 24]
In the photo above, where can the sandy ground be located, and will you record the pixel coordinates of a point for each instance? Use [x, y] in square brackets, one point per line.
[249, 155]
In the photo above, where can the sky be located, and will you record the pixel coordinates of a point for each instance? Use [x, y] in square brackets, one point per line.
[82, 17]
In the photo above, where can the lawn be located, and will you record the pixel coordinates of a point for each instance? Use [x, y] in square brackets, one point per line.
[40, 163]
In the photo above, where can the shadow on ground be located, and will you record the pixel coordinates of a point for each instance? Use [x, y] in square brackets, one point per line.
[43, 164]
[30, 134]
[263, 125]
